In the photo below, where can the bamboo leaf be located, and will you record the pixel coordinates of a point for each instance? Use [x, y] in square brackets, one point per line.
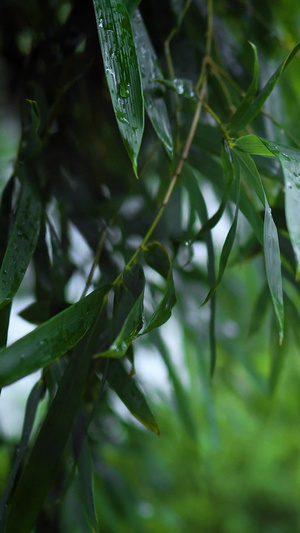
[85, 470]
[273, 268]
[158, 258]
[150, 70]
[290, 162]
[21, 245]
[122, 72]
[251, 111]
[251, 174]
[253, 145]
[181, 86]
[249, 96]
[43, 462]
[30, 413]
[129, 392]
[49, 341]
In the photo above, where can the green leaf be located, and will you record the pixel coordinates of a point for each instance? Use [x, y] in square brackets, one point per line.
[273, 268]
[30, 413]
[227, 247]
[259, 311]
[150, 69]
[181, 86]
[129, 331]
[251, 111]
[252, 145]
[157, 258]
[290, 162]
[35, 114]
[21, 245]
[86, 472]
[129, 392]
[249, 96]
[122, 72]
[44, 460]
[213, 221]
[49, 341]
[251, 174]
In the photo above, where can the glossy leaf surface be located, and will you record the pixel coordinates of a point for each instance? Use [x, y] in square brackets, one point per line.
[122, 72]
[21, 245]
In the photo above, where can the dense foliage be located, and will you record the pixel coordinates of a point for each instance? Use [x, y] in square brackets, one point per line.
[150, 166]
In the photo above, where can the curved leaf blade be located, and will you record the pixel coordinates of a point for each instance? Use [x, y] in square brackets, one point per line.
[21, 245]
[122, 72]
[130, 394]
[49, 341]
[150, 70]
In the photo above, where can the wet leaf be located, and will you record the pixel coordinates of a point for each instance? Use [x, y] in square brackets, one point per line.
[129, 392]
[150, 70]
[181, 86]
[49, 341]
[122, 72]
[21, 245]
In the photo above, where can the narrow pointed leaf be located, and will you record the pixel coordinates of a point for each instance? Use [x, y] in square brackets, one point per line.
[158, 258]
[85, 470]
[251, 174]
[129, 331]
[122, 72]
[273, 268]
[249, 96]
[21, 245]
[30, 413]
[259, 311]
[181, 86]
[44, 460]
[290, 162]
[49, 341]
[253, 145]
[129, 392]
[251, 111]
[150, 70]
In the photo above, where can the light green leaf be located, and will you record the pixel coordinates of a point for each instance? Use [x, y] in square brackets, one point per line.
[150, 69]
[49, 341]
[290, 162]
[251, 174]
[21, 245]
[252, 145]
[129, 392]
[249, 96]
[122, 72]
[251, 111]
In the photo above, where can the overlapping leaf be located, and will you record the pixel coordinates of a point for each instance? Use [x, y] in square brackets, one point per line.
[122, 72]
[49, 341]
[131, 395]
[21, 245]
[150, 70]
[250, 111]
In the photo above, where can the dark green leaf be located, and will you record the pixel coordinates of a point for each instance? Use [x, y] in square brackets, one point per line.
[154, 102]
[273, 268]
[158, 258]
[21, 245]
[249, 96]
[86, 472]
[129, 392]
[122, 72]
[251, 111]
[49, 341]
[181, 86]
[251, 174]
[43, 463]
[35, 113]
[30, 414]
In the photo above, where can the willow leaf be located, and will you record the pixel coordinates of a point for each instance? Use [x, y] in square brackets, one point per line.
[150, 70]
[130, 394]
[21, 245]
[49, 341]
[251, 111]
[122, 72]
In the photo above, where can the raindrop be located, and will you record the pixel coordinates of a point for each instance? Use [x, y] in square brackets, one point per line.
[123, 90]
